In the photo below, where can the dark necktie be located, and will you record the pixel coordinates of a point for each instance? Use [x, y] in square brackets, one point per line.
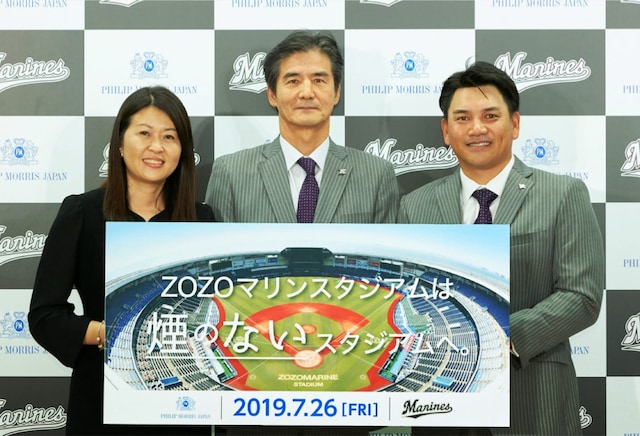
[485, 197]
[309, 193]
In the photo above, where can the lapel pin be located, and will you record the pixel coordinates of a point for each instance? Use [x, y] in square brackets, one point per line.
[522, 186]
[342, 171]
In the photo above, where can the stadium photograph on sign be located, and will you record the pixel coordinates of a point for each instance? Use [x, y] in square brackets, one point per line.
[220, 308]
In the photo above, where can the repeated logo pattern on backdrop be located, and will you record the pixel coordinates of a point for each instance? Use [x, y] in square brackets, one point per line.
[66, 66]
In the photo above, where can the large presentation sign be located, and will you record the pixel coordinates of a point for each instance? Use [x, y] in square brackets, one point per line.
[290, 324]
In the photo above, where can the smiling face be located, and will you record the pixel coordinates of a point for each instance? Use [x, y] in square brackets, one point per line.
[305, 93]
[150, 148]
[481, 131]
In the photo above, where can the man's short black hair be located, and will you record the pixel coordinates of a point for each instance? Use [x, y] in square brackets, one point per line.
[479, 74]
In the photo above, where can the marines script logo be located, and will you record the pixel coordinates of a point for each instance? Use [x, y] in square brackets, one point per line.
[527, 75]
[386, 3]
[411, 160]
[631, 341]
[412, 409]
[20, 247]
[249, 75]
[104, 166]
[30, 72]
[631, 166]
[125, 3]
[585, 418]
[30, 419]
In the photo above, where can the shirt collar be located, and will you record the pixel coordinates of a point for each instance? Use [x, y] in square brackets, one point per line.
[496, 184]
[291, 154]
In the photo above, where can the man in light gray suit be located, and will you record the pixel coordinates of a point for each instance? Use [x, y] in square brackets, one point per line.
[557, 254]
[263, 184]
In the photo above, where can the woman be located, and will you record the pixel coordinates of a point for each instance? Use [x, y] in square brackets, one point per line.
[151, 178]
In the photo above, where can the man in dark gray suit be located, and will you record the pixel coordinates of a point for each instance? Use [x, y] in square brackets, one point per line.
[263, 184]
[557, 254]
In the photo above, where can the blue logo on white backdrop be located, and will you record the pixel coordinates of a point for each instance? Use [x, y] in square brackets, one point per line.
[35, 4]
[19, 151]
[14, 325]
[544, 152]
[185, 403]
[540, 151]
[409, 64]
[580, 350]
[144, 66]
[149, 65]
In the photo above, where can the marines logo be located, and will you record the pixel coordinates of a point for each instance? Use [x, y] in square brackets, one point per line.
[585, 418]
[31, 71]
[248, 74]
[125, 3]
[631, 166]
[631, 341]
[387, 3]
[528, 75]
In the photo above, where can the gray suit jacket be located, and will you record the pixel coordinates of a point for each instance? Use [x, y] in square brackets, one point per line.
[557, 281]
[252, 186]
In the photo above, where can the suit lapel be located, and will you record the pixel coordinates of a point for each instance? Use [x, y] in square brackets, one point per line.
[273, 172]
[518, 185]
[449, 200]
[334, 181]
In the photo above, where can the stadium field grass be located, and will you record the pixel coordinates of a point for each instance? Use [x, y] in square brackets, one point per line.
[325, 321]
